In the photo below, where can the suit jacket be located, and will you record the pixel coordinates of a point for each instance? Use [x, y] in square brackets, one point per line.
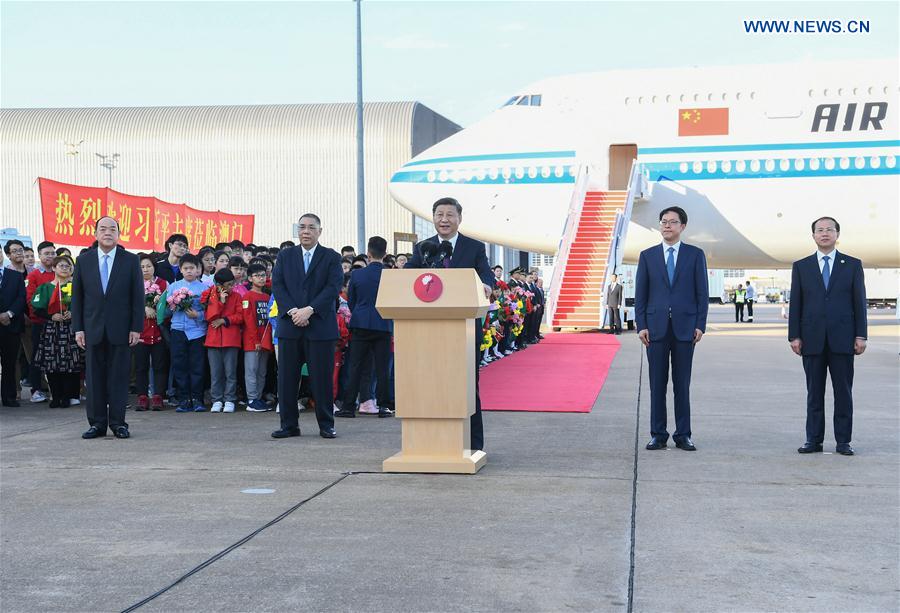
[538, 294]
[468, 253]
[163, 270]
[319, 288]
[837, 314]
[685, 300]
[613, 296]
[114, 314]
[12, 298]
[361, 296]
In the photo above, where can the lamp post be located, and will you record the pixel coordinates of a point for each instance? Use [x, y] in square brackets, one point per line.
[109, 161]
[360, 171]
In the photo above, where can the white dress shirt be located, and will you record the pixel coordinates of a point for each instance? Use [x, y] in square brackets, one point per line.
[112, 258]
[676, 247]
[832, 255]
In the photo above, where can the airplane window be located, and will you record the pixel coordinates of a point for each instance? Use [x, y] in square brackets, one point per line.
[875, 162]
[536, 100]
[523, 101]
[799, 164]
[859, 162]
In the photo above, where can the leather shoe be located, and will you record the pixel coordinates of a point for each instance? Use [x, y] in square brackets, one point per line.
[93, 432]
[11, 403]
[656, 443]
[844, 449]
[808, 447]
[122, 432]
[286, 432]
[685, 443]
[346, 413]
[328, 433]
[385, 412]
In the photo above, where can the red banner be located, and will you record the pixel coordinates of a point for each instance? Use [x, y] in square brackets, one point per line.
[70, 212]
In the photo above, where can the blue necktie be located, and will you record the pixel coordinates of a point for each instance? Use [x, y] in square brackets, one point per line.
[670, 265]
[306, 256]
[104, 273]
[826, 270]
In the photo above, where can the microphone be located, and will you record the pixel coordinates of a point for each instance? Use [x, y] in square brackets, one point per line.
[445, 251]
[429, 251]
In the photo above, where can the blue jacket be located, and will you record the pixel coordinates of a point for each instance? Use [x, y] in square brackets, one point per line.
[319, 288]
[837, 314]
[686, 300]
[361, 295]
[192, 328]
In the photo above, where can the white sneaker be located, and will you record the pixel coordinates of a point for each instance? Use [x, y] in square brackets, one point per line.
[229, 407]
[278, 408]
[368, 407]
[38, 396]
[217, 407]
[74, 401]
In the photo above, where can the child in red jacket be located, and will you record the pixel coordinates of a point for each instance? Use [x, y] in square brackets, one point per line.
[256, 328]
[223, 339]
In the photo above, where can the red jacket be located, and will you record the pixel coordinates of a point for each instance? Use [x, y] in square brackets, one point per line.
[35, 279]
[255, 306]
[228, 334]
[151, 334]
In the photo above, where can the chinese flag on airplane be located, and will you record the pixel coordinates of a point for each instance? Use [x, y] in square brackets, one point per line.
[703, 122]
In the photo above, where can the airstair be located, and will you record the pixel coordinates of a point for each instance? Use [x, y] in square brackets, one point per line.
[591, 248]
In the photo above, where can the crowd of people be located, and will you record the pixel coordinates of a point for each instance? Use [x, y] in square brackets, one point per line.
[209, 330]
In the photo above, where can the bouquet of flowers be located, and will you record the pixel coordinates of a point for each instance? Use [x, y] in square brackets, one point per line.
[152, 292]
[181, 299]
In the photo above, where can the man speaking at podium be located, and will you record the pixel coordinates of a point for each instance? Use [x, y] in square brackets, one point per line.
[450, 249]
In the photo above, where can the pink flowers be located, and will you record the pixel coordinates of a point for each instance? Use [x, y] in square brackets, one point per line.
[152, 292]
[180, 300]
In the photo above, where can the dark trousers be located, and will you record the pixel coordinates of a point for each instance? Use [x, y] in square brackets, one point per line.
[35, 376]
[840, 365]
[108, 367]
[64, 386]
[476, 425]
[749, 308]
[319, 359]
[188, 364]
[368, 345]
[738, 311]
[615, 319]
[9, 354]
[143, 355]
[659, 355]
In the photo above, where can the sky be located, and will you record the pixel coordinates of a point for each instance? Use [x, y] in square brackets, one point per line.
[462, 59]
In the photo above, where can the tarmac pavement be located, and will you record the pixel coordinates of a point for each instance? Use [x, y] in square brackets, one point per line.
[743, 524]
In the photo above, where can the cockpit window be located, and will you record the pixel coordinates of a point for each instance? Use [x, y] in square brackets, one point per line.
[527, 100]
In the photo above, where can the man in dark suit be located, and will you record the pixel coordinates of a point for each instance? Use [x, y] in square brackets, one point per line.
[108, 317]
[671, 300]
[827, 326]
[12, 316]
[306, 282]
[370, 334]
[467, 253]
[537, 302]
[612, 297]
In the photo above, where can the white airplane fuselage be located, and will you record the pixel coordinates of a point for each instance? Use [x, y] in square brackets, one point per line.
[800, 141]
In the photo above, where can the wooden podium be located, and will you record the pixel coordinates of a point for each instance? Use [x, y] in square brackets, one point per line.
[434, 312]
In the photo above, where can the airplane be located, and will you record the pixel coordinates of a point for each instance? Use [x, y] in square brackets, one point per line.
[753, 154]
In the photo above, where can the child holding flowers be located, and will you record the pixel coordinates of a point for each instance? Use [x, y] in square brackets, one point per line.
[151, 348]
[58, 355]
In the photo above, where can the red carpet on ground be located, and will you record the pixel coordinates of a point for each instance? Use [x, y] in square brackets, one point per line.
[563, 373]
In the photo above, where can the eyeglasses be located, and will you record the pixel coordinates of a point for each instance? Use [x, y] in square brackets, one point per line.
[824, 230]
[669, 222]
[180, 244]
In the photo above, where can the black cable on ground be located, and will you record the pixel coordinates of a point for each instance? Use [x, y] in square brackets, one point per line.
[231, 548]
[637, 426]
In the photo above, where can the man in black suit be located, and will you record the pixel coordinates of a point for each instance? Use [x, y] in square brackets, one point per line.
[467, 253]
[671, 301]
[108, 317]
[306, 282]
[370, 333]
[827, 326]
[12, 316]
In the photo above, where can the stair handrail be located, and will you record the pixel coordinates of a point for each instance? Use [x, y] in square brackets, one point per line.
[565, 241]
[636, 184]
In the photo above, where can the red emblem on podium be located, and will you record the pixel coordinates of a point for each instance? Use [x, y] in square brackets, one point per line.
[428, 287]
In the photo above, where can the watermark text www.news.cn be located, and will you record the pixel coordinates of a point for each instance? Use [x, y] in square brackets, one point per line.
[806, 26]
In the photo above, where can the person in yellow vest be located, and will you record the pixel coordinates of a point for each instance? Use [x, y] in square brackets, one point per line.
[740, 298]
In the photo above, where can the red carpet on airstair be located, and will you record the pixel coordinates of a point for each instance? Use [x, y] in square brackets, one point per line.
[563, 373]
